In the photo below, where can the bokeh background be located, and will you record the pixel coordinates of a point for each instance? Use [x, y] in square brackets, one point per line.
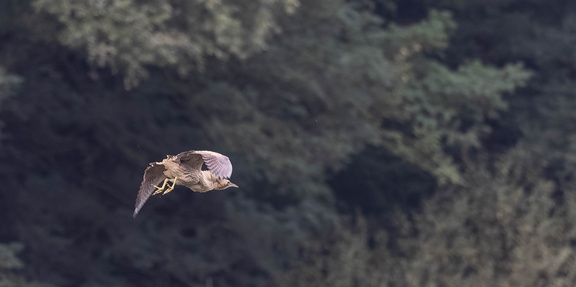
[376, 142]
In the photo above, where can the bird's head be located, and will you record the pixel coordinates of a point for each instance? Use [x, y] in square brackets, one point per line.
[222, 183]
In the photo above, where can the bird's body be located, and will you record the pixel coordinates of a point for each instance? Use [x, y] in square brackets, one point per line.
[191, 178]
[185, 169]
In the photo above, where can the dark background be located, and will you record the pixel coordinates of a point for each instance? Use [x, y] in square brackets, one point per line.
[375, 142]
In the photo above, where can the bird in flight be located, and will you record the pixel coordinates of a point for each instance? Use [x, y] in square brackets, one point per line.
[185, 169]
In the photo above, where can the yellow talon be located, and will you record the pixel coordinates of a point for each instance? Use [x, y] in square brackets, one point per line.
[157, 191]
[160, 189]
[170, 188]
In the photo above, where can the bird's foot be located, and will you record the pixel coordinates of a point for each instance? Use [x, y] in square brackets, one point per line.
[160, 189]
[157, 191]
[170, 188]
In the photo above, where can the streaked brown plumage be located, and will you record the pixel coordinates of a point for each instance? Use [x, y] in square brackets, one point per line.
[185, 169]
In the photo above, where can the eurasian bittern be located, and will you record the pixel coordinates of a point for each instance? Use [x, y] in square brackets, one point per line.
[185, 169]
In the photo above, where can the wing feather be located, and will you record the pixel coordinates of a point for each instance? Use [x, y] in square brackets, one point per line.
[153, 175]
[218, 164]
[190, 158]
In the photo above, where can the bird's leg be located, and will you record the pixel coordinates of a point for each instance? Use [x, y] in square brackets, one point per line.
[160, 189]
[170, 188]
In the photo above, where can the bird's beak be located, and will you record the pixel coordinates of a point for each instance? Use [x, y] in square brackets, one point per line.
[232, 185]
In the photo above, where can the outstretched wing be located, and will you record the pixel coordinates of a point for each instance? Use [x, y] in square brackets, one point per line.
[153, 175]
[190, 158]
[218, 164]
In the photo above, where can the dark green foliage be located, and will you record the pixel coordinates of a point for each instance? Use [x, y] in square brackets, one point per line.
[398, 185]
[10, 267]
[129, 35]
[376, 143]
[8, 84]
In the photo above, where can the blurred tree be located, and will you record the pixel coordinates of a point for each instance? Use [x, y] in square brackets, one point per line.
[503, 229]
[10, 267]
[540, 34]
[318, 94]
[349, 84]
[8, 83]
[127, 35]
[291, 90]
